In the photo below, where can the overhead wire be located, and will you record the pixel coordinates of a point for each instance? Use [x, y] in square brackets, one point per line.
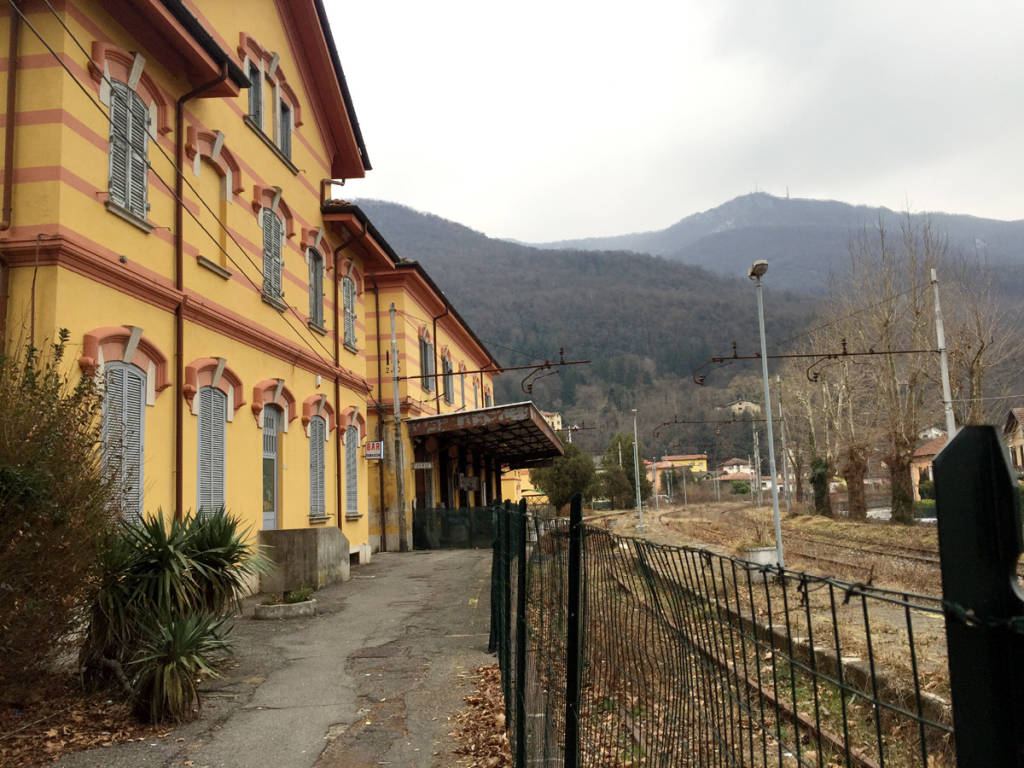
[178, 170]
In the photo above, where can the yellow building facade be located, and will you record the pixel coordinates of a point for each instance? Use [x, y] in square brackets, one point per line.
[223, 310]
[169, 181]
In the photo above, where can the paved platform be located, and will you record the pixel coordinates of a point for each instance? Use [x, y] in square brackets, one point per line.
[373, 680]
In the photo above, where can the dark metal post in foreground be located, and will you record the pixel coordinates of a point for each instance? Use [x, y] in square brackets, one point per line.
[521, 640]
[572, 662]
[979, 543]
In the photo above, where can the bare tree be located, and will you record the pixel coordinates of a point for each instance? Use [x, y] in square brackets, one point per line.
[886, 297]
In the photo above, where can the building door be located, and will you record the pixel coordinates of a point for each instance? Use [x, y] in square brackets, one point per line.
[271, 435]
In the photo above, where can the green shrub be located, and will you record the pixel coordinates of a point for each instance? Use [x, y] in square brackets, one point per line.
[739, 487]
[298, 595]
[165, 590]
[54, 511]
[926, 489]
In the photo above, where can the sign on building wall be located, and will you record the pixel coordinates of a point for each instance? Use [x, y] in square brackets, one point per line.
[422, 465]
[374, 449]
[467, 483]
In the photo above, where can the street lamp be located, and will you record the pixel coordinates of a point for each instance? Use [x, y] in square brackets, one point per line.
[757, 270]
[636, 471]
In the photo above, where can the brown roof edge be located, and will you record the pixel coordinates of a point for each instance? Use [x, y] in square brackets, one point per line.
[321, 12]
[206, 41]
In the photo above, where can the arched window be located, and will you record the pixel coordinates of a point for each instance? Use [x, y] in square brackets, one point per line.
[352, 471]
[124, 422]
[348, 297]
[487, 398]
[213, 416]
[449, 383]
[317, 443]
[462, 385]
[256, 94]
[316, 288]
[129, 150]
[273, 419]
[272, 261]
[427, 361]
[476, 390]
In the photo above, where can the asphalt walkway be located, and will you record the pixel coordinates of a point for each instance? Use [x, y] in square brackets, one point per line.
[373, 680]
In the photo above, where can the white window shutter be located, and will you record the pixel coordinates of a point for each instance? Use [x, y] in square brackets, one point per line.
[139, 143]
[119, 144]
[271, 254]
[317, 438]
[212, 427]
[124, 401]
[352, 471]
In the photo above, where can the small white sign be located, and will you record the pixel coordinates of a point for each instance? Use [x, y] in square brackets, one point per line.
[422, 465]
[374, 449]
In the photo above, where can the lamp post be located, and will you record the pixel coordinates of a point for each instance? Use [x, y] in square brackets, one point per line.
[757, 270]
[636, 471]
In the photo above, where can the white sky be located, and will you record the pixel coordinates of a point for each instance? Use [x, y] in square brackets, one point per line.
[550, 120]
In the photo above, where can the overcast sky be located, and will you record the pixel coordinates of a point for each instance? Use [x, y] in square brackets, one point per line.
[549, 120]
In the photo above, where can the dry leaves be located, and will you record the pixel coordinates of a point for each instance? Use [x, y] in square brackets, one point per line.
[64, 720]
[481, 734]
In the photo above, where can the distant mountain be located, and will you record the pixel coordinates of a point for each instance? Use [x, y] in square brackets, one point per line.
[803, 240]
[644, 321]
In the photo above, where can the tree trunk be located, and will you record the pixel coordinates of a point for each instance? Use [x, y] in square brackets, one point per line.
[902, 488]
[853, 470]
[819, 481]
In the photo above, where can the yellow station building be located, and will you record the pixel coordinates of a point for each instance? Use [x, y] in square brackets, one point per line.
[236, 314]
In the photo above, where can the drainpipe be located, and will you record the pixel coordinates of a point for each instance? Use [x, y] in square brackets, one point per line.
[179, 286]
[437, 384]
[380, 415]
[12, 90]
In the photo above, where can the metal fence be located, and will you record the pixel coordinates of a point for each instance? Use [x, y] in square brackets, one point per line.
[618, 652]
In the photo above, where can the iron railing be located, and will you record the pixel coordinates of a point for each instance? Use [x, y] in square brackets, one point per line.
[616, 651]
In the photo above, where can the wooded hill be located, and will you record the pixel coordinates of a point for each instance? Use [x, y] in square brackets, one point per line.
[644, 321]
[805, 240]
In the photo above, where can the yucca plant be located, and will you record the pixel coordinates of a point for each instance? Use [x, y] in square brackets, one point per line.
[166, 590]
[170, 655]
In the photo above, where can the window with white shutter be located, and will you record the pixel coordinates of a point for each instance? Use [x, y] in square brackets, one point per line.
[316, 289]
[352, 472]
[462, 387]
[317, 442]
[124, 403]
[272, 419]
[129, 150]
[348, 290]
[213, 416]
[272, 241]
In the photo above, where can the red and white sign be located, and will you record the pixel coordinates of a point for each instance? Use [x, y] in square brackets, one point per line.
[374, 449]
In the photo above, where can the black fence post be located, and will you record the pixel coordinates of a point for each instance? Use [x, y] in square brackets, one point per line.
[496, 529]
[572, 649]
[979, 542]
[506, 607]
[521, 641]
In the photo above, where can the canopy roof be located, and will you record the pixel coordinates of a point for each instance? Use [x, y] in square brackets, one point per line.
[515, 434]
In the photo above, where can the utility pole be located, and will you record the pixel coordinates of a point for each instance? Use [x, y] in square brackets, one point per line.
[620, 455]
[654, 474]
[785, 459]
[685, 471]
[403, 545]
[947, 397]
[636, 473]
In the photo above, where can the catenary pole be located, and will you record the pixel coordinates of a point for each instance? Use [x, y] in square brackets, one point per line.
[399, 445]
[947, 397]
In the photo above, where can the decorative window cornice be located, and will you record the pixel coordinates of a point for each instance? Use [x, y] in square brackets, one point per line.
[273, 392]
[213, 372]
[126, 344]
[211, 145]
[352, 417]
[249, 49]
[108, 61]
[317, 405]
[270, 197]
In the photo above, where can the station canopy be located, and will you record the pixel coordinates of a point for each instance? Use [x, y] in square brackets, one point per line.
[515, 434]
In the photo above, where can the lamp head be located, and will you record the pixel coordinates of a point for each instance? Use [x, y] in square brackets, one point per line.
[757, 269]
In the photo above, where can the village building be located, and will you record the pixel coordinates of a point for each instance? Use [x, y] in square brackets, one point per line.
[235, 313]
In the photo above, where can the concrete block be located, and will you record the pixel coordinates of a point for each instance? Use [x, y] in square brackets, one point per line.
[302, 609]
[305, 557]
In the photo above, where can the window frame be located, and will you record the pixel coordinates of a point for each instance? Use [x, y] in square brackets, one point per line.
[447, 369]
[352, 439]
[129, 149]
[318, 468]
[348, 300]
[316, 288]
[127, 371]
[256, 105]
[216, 429]
[273, 288]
